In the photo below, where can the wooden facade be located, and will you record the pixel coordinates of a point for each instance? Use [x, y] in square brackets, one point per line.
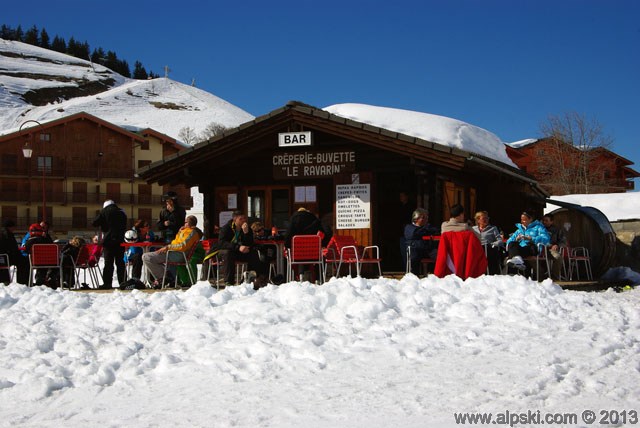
[81, 161]
[554, 164]
[246, 169]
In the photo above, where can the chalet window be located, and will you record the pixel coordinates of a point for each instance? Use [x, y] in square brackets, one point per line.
[79, 192]
[79, 217]
[45, 137]
[144, 194]
[145, 213]
[9, 190]
[10, 212]
[144, 145]
[113, 191]
[44, 163]
[142, 163]
[9, 162]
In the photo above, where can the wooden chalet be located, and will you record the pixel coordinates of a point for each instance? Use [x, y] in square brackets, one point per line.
[80, 161]
[555, 165]
[349, 173]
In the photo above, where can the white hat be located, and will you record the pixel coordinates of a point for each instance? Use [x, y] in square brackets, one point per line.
[107, 203]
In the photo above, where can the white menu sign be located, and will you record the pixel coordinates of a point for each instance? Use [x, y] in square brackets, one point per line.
[353, 206]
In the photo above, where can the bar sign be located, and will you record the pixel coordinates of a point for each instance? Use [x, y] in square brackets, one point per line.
[294, 139]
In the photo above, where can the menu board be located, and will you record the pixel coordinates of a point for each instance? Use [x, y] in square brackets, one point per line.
[353, 206]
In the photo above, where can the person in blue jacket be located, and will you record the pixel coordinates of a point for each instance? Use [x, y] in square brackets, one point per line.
[141, 232]
[524, 242]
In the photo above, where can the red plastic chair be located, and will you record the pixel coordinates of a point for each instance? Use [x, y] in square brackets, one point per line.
[579, 255]
[186, 259]
[342, 250]
[45, 256]
[305, 250]
[82, 262]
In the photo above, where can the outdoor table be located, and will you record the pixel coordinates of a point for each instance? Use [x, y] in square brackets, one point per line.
[146, 246]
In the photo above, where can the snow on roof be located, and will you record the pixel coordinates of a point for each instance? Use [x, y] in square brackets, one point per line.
[522, 143]
[437, 129]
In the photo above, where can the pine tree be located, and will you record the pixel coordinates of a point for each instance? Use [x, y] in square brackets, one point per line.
[44, 39]
[31, 36]
[58, 44]
[6, 33]
[123, 68]
[139, 72]
[19, 34]
[98, 56]
[72, 47]
[111, 60]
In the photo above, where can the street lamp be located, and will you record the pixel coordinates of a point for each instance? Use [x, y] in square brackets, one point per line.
[27, 151]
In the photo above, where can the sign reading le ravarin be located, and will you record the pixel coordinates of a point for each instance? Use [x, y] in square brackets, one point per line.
[312, 164]
[353, 206]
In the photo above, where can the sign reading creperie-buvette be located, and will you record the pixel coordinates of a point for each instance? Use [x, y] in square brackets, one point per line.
[312, 164]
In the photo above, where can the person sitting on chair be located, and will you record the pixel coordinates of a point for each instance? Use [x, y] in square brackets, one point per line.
[457, 222]
[558, 240]
[524, 241]
[188, 236]
[491, 240]
[44, 276]
[69, 254]
[139, 233]
[304, 222]
[413, 234]
[9, 246]
[236, 243]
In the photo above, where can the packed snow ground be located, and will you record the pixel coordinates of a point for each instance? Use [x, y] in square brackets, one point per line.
[352, 352]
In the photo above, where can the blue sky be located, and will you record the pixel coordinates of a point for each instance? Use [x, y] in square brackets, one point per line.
[502, 65]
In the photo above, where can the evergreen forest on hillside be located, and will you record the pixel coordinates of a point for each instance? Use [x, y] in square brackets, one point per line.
[109, 59]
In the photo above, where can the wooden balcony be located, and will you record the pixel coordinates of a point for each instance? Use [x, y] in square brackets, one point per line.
[69, 198]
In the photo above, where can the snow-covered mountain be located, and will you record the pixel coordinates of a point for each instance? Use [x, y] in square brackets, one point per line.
[40, 84]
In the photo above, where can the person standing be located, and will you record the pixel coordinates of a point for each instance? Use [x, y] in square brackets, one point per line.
[9, 246]
[113, 222]
[172, 217]
[405, 210]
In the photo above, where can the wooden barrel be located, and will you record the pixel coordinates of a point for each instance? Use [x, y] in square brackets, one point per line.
[587, 227]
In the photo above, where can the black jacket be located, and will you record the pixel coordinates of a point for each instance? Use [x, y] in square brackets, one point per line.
[231, 239]
[42, 239]
[305, 223]
[113, 223]
[8, 244]
[176, 220]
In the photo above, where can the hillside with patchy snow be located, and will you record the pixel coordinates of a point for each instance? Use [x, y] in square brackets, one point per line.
[43, 85]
